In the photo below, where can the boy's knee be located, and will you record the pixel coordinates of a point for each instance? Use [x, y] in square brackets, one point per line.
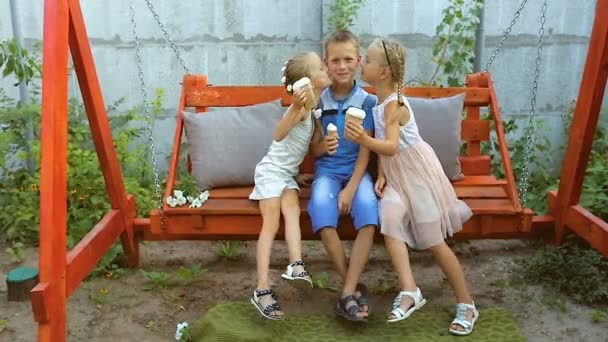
[321, 201]
[368, 229]
[367, 202]
[328, 232]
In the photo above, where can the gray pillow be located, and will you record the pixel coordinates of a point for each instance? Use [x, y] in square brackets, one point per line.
[226, 144]
[439, 121]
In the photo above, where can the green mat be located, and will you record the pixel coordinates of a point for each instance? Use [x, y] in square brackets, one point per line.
[240, 322]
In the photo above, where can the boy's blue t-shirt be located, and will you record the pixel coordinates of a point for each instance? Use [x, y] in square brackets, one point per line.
[333, 110]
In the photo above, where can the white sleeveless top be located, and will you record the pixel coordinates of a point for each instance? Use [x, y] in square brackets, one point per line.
[284, 157]
[408, 133]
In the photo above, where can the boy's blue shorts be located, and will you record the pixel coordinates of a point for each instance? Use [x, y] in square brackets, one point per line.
[323, 203]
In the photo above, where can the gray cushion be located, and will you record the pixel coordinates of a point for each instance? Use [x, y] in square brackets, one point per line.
[439, 121]
[226, 144]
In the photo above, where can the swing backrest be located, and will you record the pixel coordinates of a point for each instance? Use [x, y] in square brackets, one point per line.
[198, 94]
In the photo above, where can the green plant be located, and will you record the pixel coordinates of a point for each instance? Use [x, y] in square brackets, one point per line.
[16, 60]
[4, 325]
[182, 332]
[573, 269]
[16, 251]
[543, 177]
[87, 196]
[343, 14]
[453, 48]
[230, 250]
[383, 287]
[192, 274]
[157, 280]
[595, 185]
[321, 281]
[597, 316]
[100, 296]
[108, 267]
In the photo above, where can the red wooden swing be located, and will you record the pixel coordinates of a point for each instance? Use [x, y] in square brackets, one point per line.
[227, 214]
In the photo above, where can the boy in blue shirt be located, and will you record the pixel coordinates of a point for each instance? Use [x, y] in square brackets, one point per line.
[341, 183]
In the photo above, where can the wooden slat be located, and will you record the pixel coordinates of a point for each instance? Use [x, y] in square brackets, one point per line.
[476, 165]
[486, 79]
[474, 146]
[176, 147]
[247, 227]
[475, 96]
[589, 227]
[474, 182]
[40, 298]
[199, 95]
[496, 206]
[582, 222]
[475, 130]
[479, 191]
[243, 206]
[51, 302]
[484, 180]
[586, 116]
[87, 253]
[497, 191]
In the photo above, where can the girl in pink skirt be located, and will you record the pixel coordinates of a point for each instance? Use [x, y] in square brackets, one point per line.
[418, 203]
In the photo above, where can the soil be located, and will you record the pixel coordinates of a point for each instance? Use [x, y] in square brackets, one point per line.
[116, 309]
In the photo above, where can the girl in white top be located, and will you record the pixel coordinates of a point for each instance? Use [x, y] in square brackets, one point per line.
[418, 204]
[275, 185]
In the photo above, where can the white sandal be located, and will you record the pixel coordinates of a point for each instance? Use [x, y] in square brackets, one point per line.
[461, 319]
[300, 278]
[398, 313]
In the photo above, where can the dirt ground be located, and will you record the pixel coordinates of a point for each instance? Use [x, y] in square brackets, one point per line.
[107, 309]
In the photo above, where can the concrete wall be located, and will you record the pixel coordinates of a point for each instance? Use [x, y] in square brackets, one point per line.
[246, 42]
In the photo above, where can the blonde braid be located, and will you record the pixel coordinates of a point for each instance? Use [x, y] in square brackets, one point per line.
[397, 58]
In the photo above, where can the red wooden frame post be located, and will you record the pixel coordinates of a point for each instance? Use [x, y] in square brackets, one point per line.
[584, 123]
[48, 297]
[60, 271]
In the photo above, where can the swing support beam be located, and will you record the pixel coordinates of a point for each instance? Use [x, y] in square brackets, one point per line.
[61, 271]
[564, 203]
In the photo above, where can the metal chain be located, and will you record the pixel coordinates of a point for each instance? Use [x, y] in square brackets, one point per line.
[167, 37]
[530, 136]
[497, 52]
[149, 119]
[506, 34]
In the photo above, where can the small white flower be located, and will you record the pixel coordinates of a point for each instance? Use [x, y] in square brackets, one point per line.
[178, 331]
[172, 202]
[204, 196]
[178, 193]
[181, 200]
[317, 113]
[289, 87]
[189, 198]
[196, 203]
[283, 79]
[283, 69]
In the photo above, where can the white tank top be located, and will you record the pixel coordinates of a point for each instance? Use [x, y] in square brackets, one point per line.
[408, 133]
[284, 157]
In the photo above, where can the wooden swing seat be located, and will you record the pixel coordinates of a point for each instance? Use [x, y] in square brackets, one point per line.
[229, 214]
